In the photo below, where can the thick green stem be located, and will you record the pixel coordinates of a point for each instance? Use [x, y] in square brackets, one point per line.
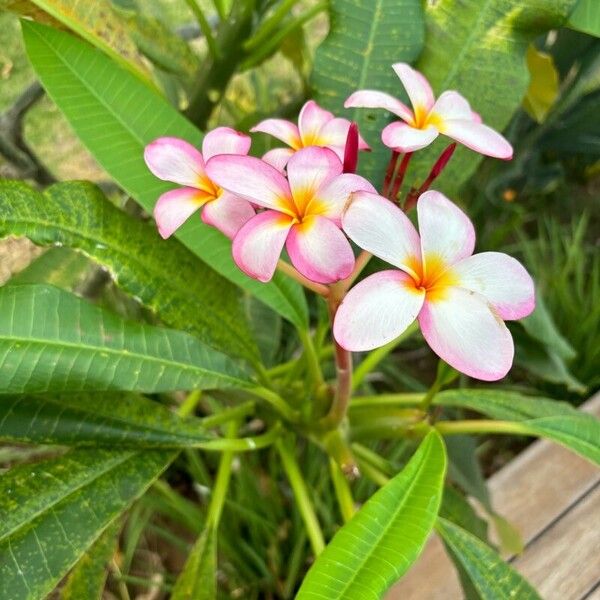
[277, 402]
[411, 399]
[269, 25]
[307, 511]
[481, 426]
[342, 491]
[312, 359]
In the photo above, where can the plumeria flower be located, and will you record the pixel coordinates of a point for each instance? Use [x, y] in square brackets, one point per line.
[461, 300]
[173, 159]
[316, 127]
[450, 115]
[303, 213]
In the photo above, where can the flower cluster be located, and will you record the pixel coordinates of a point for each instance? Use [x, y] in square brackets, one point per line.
[299, 198]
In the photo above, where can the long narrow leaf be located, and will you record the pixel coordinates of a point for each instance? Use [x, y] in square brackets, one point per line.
[116, 116]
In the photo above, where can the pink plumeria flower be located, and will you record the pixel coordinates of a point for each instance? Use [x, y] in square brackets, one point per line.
[173, 159]
[303, 213]
[450, 115]
[461, 300]
[316, 127]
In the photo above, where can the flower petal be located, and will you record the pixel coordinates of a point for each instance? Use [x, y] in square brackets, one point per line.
[335, 132]
[278, 158]
[310, 121]
[463, 330]
[501, 279]
[374, 99]
[251, 178]
[224, 140]
[477, 136]
[308, 170]
[174, 208]
[404, 138]
[283, 130]
[417, 87]
[377, 310]
[228, 213]
[333, 196]
[380, 227]
[447, 234]
[451, 105]
[319, 250]
[258, 244]
[173, 159]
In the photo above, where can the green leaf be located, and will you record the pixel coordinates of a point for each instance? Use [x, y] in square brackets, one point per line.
[95, 22]
[386, 536]
[543, 86]
[490, 575]
[198, 578]
[52, 341]
[540, 417]
[116, 116]
[586, 17]
[88, 578]
[478, 47]
[163, 275]
[116, 421]
[52, 512]
[366, 37]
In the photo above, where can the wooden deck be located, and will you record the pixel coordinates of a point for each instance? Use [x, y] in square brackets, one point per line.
[553, 497]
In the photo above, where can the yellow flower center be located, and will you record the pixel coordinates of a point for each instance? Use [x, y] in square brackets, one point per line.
[433, 276]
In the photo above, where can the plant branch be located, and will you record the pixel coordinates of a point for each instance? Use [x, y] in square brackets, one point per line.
[481, 426]
[204, 27]
[277, 402]
[342, 491]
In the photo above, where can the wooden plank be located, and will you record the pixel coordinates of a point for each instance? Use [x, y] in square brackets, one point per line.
[533, 492]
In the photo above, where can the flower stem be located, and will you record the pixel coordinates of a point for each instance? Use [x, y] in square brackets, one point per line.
[389, 173]
[312, 359]
[307, 511]
[288, 270]
[342, 491]
[400, 176]
[411, 399]
[204, 27]
[277, 402]
[481, 426]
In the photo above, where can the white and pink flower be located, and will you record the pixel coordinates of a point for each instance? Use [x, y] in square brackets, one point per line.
[449, 115]
[303, 212]
[173, 159]
[316, 127]
[460, 300]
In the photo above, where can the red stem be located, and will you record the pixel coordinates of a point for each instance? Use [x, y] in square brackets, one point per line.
[389, 173]
[400, 176]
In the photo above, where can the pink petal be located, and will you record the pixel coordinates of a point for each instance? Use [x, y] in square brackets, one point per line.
[251, 178]
[501, 279]
[319, 250]
[310, 121]
[258, 244]
[227, 213]
[173, 208]
[463, 330]
[334, 196]
[404, 138]
[335, 132]
[377, 311]
[224, 140]
[281, 129]
[308, 170]
[478, 137]
[451, 105]
[447, 234]
[173, 159]
[374, 99]
[417, 87]
[278, 158]
[380, 227]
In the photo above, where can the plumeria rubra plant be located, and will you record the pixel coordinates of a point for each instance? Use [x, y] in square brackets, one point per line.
[217, 392]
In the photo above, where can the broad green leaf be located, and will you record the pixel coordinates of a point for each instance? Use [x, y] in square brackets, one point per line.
[490, 575]
[543, 85]
[478, 47]
[116, 116]
[52, 341]
[386, 536]
[198, 578]
[95, 22]
[586, 17]
[116, 421]
[366, 37]
[88, 578]
[163, 275]
[52, 512]
[558, 421]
